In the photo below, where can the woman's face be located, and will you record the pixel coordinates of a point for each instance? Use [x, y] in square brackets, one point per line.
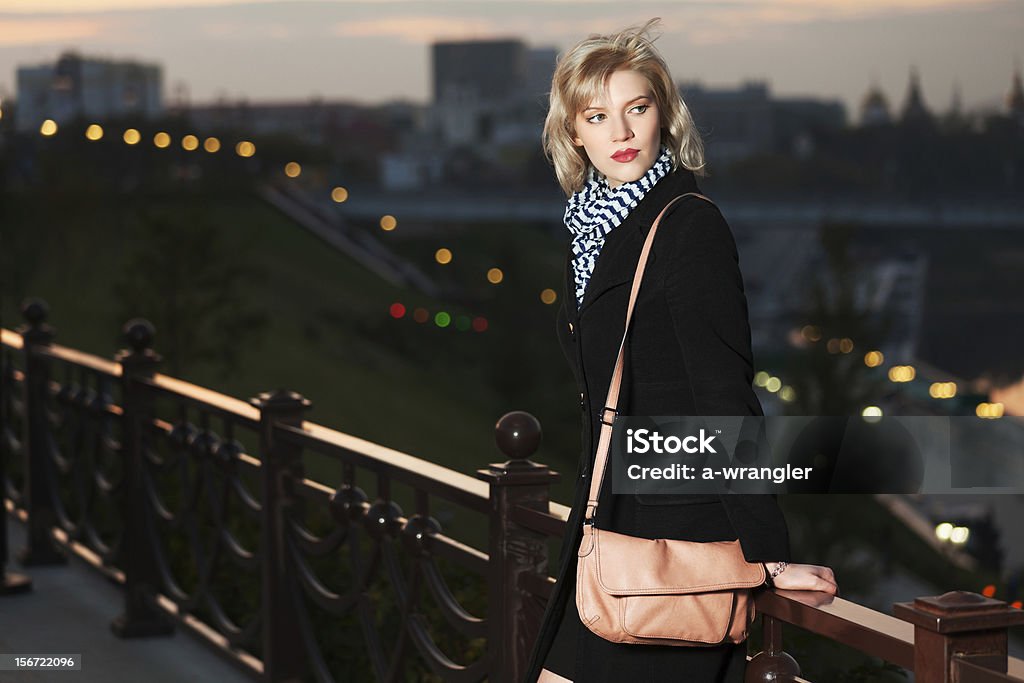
[621, 133]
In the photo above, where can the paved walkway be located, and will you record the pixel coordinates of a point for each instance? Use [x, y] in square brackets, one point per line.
[69, 611]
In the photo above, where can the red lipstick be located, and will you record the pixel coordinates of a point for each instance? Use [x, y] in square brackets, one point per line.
[625, 155]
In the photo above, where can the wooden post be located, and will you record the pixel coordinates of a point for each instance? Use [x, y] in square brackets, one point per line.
[772, 664]
[284, 653]
[37, 336]
[141, 616]
[10, 582]
[957, 624]
[515, 552]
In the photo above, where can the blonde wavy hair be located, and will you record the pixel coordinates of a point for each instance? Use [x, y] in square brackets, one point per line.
[581, 77]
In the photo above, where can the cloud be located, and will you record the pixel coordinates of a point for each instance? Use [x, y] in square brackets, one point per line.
[421, 29]
[244, 31]
[37, 31]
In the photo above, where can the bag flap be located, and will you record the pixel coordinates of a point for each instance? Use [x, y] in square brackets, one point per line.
[627, 565]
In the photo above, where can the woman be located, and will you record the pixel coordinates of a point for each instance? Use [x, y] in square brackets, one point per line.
[623, 144]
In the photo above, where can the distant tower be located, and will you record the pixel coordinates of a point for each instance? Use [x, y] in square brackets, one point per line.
[914, 108]
[954, 119]
[956, 105]
[874, 108]
[1015, 98]
[181, 99]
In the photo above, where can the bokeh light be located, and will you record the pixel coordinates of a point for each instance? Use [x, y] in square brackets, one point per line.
[902, 373]
[548, 296]
[292, 169]
[420, 315]
[388, 223]
[132, 136]
[397, 310]
[190, 143]
[443, 256]
[211, 145]
[245, 149]
[162, 140]
[873, 359]
[479, 324]
[462, 323]
[48, 128]
[989, 410]
[811, 333]
[495, 276]
[94, 132]
[339, 194]
[442, 319]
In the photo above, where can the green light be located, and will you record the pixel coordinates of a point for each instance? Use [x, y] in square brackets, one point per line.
[442, 319]
[462, 323]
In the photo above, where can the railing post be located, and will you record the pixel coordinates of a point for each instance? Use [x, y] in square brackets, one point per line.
[10, 582]
[141, 616]
[772, 663]
[36, 335]
[957, 624]
[284, 653]
[514, 550]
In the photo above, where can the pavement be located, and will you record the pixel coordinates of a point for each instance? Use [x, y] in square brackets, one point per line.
[69, 611]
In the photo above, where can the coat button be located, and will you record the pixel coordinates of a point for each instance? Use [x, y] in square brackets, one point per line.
[583, 403]
[570, 329]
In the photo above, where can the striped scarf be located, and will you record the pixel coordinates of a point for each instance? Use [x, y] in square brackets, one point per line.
[593, 211]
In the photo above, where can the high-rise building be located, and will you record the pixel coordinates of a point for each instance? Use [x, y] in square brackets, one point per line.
[490, 92]
[734, 122]
[76, 86]
[489, 69]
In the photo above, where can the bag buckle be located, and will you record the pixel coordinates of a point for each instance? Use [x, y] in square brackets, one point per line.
[604, 413]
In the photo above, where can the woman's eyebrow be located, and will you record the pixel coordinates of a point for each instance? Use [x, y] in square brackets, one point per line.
[638, 97]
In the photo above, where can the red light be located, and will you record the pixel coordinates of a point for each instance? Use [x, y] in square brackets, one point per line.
[479, 324]
[420, 315]
[988, 591]
[397, 310]
[1016, 604]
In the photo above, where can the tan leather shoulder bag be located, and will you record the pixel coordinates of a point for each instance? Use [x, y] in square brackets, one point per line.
[658, 591]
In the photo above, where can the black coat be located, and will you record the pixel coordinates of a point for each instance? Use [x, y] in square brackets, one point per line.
[688, 353]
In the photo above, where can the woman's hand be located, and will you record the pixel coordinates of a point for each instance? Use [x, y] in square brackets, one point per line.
[805, 577]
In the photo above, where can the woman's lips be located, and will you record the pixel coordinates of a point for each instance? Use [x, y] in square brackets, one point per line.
[626, 156]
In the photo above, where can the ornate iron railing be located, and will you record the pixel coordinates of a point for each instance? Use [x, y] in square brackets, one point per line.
[204, 508]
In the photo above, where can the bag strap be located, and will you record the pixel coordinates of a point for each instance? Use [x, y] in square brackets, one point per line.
[612, 401]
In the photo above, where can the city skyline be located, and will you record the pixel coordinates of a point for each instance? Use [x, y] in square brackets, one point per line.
[298, 50]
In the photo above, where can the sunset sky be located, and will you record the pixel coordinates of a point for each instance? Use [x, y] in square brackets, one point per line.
[373, 51]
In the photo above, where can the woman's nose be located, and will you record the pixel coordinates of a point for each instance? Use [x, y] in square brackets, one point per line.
[621, 130]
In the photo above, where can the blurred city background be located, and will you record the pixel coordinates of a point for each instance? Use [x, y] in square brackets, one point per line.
[350, 200]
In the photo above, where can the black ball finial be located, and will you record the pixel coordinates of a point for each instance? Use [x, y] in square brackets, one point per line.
[35, 311]
[138, 334]
[518, 434]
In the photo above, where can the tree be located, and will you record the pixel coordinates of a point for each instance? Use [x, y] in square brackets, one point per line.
[190, 283]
